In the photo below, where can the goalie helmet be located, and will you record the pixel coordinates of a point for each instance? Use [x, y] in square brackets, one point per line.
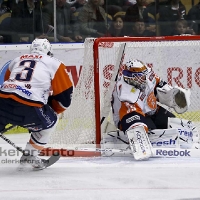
[135, 74]
[41, 46]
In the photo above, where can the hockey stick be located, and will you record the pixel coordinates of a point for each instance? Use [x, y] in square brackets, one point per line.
[7, 129]
[120, 58]
[156, 152]
[54, 158]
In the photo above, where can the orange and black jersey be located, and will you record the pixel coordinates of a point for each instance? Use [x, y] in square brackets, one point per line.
[128, 99]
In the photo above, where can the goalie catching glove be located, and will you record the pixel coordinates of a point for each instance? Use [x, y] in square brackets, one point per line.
[174, 97]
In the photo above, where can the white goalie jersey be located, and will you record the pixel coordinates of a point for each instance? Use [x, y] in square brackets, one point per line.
[127, 98]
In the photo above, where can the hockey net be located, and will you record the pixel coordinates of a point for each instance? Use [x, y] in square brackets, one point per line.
[175, 59]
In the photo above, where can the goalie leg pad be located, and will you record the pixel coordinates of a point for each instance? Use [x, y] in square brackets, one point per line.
[167, 138]
[139, 143]
[187, 131]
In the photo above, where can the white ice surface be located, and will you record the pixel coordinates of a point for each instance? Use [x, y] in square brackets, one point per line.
[101, 178]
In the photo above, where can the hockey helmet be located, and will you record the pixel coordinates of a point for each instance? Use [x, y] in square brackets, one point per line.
[135, 73]
[41, 46]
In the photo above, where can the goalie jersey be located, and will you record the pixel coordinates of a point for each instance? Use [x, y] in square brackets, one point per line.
[127, 98]
[31, 78]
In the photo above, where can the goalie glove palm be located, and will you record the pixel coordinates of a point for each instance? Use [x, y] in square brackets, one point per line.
[174, 97]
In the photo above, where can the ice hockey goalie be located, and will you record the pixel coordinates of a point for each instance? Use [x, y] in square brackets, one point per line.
[135, 105]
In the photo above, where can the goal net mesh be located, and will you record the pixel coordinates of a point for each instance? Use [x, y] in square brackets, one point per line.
[176, 62]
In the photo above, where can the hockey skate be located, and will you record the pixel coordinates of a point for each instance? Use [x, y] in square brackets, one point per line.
[34, 161]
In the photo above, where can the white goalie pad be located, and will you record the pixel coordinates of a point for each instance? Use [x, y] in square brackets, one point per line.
[171, 138]
[139, 143]
[174, 97]
[180, 134]
[187, 130]
[167, 138]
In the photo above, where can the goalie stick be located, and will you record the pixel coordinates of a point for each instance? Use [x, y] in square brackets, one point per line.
[156, 152]
[53, 158]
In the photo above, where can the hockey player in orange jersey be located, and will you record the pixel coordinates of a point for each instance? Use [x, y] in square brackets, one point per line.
[135, 108]
[25, 96]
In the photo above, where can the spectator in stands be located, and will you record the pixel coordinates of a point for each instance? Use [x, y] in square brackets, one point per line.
[117, 27]
[150, 14]
[181, 28]
[75, 7]
[169, 14]
[113, 6]
[119, 3]
[139, 30]
[5, 15]
[5, 6]
[133, 14]
[194, 18]
[67, 28]
[102, 3]
[25, 20]
[108, 16]
[92, 19]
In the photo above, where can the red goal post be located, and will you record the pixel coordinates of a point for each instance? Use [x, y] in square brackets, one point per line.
[175, 58]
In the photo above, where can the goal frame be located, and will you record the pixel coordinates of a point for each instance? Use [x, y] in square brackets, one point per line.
[97, 88]
[96, 66]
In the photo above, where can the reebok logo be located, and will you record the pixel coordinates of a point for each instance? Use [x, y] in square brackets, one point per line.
[172, 153]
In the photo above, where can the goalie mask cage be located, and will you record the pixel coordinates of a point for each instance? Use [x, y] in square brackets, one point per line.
[176, 59]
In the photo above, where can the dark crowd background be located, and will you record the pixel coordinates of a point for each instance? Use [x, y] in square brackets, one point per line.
[23, 20]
